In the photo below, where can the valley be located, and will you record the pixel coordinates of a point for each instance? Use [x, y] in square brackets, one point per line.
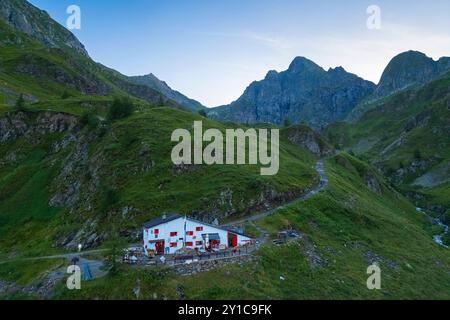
[86, 158]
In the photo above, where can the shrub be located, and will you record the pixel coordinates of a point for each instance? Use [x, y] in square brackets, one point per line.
[110, 198]
[114, 250]
[417, 154]
[89, 119]
[20, 102]
[121, 108]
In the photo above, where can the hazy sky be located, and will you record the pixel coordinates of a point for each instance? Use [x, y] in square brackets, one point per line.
[211, 50]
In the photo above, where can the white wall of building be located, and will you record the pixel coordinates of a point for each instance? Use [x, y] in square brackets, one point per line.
[173, 235]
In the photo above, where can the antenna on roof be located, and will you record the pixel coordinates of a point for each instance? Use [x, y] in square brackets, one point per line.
[164, 216]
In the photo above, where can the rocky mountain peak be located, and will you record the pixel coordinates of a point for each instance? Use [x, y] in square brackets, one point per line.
[337, 70]
[272, 74]
[304, 92]
[409, 68]
[301, 64]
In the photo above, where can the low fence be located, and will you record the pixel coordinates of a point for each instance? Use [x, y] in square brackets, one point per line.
[176, 260]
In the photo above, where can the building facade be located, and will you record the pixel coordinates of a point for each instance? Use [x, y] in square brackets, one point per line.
[169, 234]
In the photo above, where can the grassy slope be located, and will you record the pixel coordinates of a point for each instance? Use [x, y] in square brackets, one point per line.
[345, 223]
[24, 194]
[341, 215]
[380, 127]
[28, 182]
[43, 75]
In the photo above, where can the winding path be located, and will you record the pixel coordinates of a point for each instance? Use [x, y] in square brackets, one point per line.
[320, 167]
[96, 265]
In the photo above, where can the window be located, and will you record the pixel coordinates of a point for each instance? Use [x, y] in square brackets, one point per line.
[190, 233]
[189, 244]
[173, 245]
[199, 243]
[156, 231]
[199, 229]
[173, 234]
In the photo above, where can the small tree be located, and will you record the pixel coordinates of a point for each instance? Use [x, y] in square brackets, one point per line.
[20, 102]
[203, 113]
[110, 198]
[114, 250]
[417, 154]
[161, 101]
[121, 108]
[90, 119]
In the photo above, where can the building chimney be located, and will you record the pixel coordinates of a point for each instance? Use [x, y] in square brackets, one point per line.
[164, 217]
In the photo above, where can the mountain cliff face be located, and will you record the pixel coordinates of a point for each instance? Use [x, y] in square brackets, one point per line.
[36, 23]
[304, 93]
[153, 82]
[410, 68]
[407, 136]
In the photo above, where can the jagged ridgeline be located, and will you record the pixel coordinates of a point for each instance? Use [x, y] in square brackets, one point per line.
[305, 93]
[42, 60]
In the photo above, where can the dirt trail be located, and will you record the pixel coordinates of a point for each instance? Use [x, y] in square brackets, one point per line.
[320, 167]
[95, 266]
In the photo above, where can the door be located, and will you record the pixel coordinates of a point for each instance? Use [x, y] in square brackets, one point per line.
[159, 246]
[232, 240]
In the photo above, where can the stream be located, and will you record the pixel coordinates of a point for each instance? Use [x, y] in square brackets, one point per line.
[438, 237]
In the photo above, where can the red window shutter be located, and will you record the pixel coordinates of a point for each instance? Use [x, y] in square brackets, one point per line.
[173, 245]
[173, 234]
[199, 229]
[156, 231]
[199, 243]
[189, 244]
[190, 233]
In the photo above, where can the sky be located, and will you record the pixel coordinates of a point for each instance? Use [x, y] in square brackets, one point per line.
[211, 50]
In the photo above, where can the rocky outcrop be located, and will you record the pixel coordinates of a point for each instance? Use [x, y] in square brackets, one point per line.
[410, 68]
[24, 17]
[372, 183]
[310, 140]
[35, 66]
[16, 125]
[305, 92]
[417, 167]
[208, 265]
